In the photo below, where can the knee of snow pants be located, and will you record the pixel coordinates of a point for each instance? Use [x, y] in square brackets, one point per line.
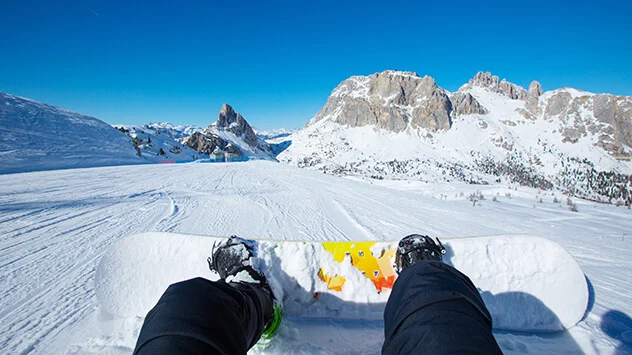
[199, 316]
[435, 309]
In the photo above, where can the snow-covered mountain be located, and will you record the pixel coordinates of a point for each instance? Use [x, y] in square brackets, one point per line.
[177, 132]
[231, 133]
[278, 139]
[155, 143]
[399, 125]
[36, 136]
[273, 134]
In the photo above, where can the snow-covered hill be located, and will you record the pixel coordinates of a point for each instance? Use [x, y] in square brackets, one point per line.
[399, 125]
[156, 144]
[36, 136]
[55, 225]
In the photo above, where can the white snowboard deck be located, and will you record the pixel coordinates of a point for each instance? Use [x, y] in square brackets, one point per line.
[528, 283]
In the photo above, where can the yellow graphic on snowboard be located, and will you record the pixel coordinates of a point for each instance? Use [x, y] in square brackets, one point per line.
[377, 269]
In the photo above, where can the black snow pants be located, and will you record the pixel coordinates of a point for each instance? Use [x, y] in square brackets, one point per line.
[432, 309]
[435, 309]
[199, 316]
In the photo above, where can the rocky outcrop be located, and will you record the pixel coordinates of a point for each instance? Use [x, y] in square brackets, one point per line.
[557, 104]
[533, 96]
[490, 82]
[615, 113]
[200, 143]
[389, 100]
[463, 103]
[606, 116]
[207, 144]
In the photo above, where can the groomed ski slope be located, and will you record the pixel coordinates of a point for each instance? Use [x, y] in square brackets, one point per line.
[55, 225]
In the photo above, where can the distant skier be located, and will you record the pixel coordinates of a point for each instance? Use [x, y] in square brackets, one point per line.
[433, 308]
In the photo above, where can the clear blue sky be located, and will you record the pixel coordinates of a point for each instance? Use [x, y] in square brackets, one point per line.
[276, 62]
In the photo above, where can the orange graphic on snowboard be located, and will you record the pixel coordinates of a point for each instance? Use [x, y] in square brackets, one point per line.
[377, 269]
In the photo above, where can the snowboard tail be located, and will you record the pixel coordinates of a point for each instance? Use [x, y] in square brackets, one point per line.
[528, 283]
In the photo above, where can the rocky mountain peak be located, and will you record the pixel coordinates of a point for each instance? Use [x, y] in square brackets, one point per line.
[226, 116]
[214, 137]
[492, 83]
[235, 123]
[390, 100]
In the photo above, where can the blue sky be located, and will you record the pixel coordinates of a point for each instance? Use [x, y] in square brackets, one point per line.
[276, 62]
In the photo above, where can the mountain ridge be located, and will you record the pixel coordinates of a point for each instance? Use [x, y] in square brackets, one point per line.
[401, 125]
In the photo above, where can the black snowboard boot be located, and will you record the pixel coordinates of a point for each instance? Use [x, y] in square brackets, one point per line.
[417, 247]
[233, 260]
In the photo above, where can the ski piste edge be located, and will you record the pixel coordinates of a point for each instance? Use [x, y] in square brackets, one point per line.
[529, 283]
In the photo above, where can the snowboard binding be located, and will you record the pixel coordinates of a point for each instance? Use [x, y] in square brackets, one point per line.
[233, 256]
[416, 247]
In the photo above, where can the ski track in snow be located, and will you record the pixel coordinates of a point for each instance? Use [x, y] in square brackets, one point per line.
[55, 225]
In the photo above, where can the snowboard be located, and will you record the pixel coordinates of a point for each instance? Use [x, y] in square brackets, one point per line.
[528, 283]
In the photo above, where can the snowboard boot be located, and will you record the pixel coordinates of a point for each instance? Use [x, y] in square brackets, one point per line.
[416, 247]
[233, 260]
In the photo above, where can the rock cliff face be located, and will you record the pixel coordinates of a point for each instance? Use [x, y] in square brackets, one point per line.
[465, 104]
[389, 100]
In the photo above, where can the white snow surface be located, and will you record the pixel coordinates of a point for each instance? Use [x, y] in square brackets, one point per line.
[36, 136]
[56, 225]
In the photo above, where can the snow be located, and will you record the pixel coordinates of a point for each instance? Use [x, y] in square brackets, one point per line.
[56, 225]
[154, 138]
[35, 136]
[273, 134]
[354, 87]
[178, 132]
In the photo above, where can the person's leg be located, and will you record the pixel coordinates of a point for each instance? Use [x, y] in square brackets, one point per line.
[199, 316]
[435, 309]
